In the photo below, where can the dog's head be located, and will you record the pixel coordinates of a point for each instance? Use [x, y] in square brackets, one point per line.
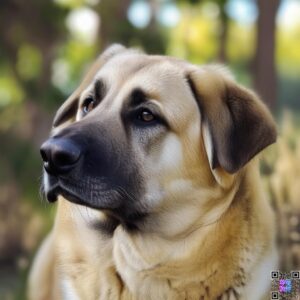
[141, 128]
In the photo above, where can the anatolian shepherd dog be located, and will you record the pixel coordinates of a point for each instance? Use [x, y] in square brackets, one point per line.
[159, 194]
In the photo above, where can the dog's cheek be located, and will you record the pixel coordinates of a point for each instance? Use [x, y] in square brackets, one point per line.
[161, 167]
[154, 194]
[170, 157]
[165, 163]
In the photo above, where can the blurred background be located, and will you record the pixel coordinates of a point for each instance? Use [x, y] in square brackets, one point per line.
[45, 48]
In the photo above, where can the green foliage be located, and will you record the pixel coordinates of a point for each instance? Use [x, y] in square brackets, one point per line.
[194, 38]
[10, 92]
[29, 62]
[288, 50]
[240, 44]
[74, 3]
[69, 66]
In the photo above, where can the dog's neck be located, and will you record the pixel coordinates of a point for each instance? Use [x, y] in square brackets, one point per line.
[195, 207]
[191, 220]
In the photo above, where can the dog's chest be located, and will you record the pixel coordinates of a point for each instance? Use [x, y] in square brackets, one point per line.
[158, 279]
[116, 269]
[218, 279]
[122, 280]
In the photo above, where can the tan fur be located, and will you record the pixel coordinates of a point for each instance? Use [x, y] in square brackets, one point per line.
[209, 231]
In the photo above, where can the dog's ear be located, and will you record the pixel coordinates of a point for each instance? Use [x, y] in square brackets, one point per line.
[236, 124]
[67, 111]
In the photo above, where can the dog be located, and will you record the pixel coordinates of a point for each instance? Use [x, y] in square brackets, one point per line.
[152, 161]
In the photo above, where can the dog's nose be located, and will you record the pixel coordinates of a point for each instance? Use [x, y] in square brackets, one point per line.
[60, 155]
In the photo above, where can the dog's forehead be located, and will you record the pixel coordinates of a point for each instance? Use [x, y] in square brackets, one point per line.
[162, 78]
[119, 68]
[123, 67]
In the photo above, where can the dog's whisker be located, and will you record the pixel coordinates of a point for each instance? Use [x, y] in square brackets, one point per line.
[123, 192]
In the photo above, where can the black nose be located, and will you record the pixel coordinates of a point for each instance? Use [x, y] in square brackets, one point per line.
[60, 155]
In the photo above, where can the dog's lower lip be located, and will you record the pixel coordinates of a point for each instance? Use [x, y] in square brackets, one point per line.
[52, 194]
[57, 190]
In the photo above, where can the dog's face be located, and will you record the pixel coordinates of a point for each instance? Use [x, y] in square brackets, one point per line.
[143, 130]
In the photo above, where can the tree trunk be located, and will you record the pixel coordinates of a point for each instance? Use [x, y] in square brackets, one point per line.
[114, 21]
[265, 78]
[223, 29]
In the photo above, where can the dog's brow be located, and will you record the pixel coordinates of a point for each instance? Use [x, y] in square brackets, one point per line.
[99, 89]
[137, 97]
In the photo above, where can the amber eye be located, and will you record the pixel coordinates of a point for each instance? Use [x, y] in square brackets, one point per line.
[146, 116]
[88, 105]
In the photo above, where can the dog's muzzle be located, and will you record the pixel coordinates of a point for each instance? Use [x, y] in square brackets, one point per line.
[90, 166]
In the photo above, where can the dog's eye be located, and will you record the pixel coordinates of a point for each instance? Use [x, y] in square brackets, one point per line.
[88, 105]
[146, 116]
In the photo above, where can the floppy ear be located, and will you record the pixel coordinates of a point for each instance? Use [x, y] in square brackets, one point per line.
[67, 111]
[237, 125]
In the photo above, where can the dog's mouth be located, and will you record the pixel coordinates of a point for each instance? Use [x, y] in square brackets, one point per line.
[102, 196]
[114, 208]
[59, 190]
[97, 193]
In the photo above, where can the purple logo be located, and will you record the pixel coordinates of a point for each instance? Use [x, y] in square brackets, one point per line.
[285, 286]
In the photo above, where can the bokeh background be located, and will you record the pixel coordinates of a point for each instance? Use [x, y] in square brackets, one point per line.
[45, 48]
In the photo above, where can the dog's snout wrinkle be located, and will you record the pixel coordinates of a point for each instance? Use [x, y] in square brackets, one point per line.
[60, 155]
